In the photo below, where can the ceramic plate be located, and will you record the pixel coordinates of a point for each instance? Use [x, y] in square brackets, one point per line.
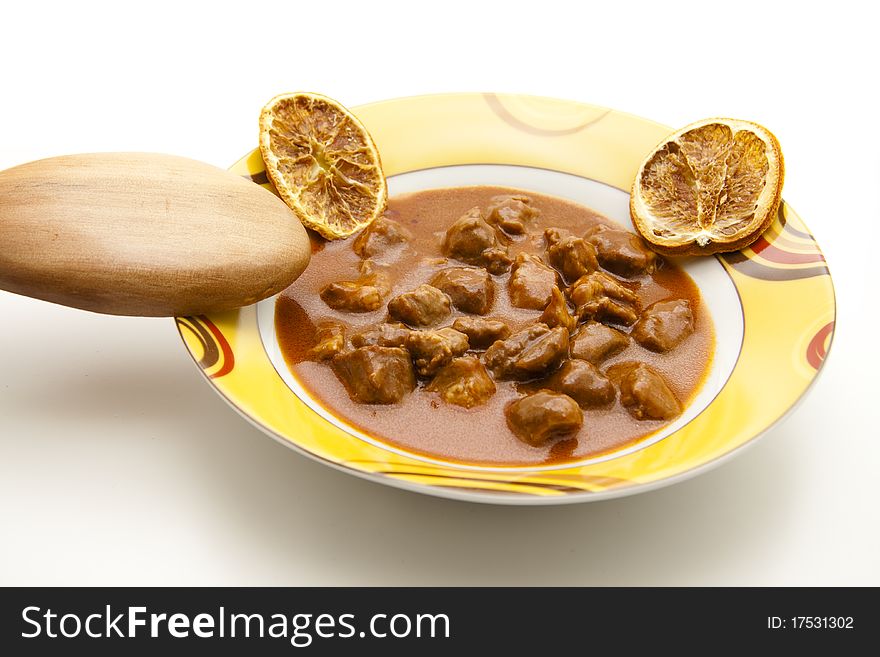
[772, 304]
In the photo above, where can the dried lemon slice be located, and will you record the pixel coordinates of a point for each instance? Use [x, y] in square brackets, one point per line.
[712, 186]
[323, 163]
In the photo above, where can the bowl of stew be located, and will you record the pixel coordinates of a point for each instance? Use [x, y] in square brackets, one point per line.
[502, 335]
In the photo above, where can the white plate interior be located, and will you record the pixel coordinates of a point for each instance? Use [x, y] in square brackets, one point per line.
[716, 287]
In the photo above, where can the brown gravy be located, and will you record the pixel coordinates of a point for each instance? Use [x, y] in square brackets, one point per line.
[423, 424]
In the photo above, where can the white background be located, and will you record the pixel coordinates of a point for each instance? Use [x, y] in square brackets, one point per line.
[119, 465]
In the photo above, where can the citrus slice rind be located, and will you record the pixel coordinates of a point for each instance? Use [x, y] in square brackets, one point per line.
[713, 186]
[323, 163]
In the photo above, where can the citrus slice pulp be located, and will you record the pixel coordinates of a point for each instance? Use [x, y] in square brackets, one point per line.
[711, 187]
[323, 163]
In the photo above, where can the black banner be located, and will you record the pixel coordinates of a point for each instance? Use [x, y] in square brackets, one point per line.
[337, 621]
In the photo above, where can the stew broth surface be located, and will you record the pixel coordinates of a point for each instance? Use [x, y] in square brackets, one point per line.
[422, 422]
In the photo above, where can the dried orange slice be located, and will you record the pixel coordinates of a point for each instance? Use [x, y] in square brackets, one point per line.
[323, 163]
[712, 186]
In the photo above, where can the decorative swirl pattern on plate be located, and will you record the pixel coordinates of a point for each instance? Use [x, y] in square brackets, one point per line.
[513, 121]
[818, 347]
[261, 177]
[528, 483]
[783, 253]
[217, 358]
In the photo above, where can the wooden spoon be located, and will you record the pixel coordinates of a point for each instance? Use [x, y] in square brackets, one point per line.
[144, 234]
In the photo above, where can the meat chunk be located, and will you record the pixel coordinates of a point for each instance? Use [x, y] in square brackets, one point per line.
[463, 382]
[329, 339]
[584, 383]
[481, 332]
[604, 285]
[369, 268]
[361, 296]
[470, 289]
[599, 296]
[556, 313]
[431, 350]
[571, 256]
[511, 213]
[383, 335]
[543, 415]
[382, 237]
[496, 260]
[424, 306]
[375, 375]
[471, 240]
[643, 392]
[594, 342]
[621, 251]
[664, 324]
[531, 353]
[469, 236]
[531, 282]
[608, 310]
